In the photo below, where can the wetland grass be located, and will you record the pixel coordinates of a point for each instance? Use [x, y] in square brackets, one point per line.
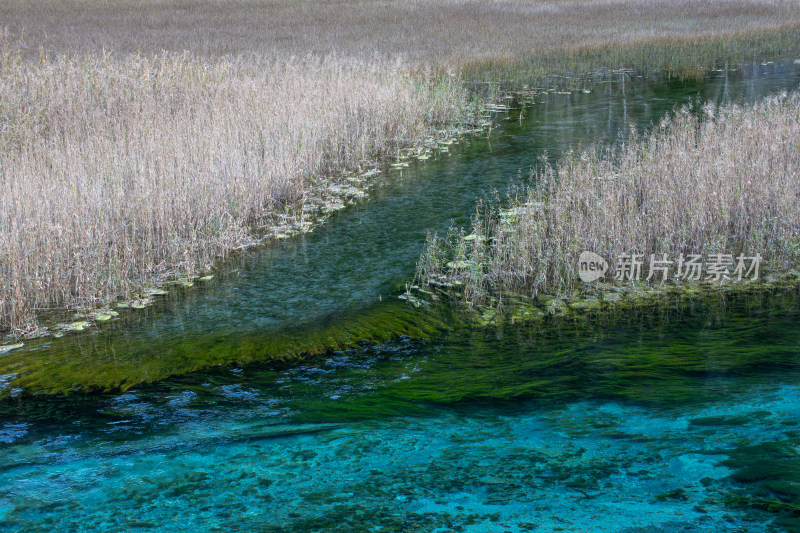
[722, 181]
[116, 173]
[430, 33]
[140, 140]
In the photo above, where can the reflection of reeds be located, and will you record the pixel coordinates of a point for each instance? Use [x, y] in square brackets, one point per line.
[726, 182]
[117, 171]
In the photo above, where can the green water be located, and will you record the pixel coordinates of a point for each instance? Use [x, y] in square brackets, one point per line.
[296, 393]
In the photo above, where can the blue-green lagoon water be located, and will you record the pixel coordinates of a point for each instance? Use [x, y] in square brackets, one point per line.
[603, 425]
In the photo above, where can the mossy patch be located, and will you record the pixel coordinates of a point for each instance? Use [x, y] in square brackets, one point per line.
[769, 476]
[674, 495]
[68, 366]
[101, 315]
[74, 326]
[155, 292]
[139, 303]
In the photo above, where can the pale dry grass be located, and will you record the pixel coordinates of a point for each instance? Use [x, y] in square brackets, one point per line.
[444, 33]
[122, 159]
[725, 182]
[114, 173]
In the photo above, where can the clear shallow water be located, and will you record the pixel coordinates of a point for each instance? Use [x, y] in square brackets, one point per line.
[612, 424]
[680, 417]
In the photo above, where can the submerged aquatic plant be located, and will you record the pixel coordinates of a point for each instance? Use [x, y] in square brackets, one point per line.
[122, 167]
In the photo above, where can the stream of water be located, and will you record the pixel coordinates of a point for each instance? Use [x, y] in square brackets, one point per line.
[684, 418]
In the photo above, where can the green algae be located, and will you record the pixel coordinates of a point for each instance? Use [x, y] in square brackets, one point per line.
[630, 357]
[91, 364]
[552, 358]
[564, 359]
[594, 299]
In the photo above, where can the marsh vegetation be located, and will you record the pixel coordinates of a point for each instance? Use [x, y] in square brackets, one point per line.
[117, 173]
[140, 141]
[725, 181]
[292, 390]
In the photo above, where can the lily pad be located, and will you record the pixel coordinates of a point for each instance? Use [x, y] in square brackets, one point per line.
[74, 326]
[155, 292]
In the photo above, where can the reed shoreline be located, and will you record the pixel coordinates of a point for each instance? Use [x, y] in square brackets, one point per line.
[127, 162]
[718, 186]
[155, 169]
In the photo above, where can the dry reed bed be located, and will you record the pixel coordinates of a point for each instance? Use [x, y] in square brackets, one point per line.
[114, 173]
[724, 181]
[119, 168]
[442, 33]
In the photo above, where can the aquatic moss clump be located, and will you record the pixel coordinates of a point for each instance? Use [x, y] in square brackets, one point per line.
[93, 363]
[769, 474]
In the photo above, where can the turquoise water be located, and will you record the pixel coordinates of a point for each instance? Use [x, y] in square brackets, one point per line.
[679, 417]
[619, 424]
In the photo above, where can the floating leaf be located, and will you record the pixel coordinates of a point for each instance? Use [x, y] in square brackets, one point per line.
[74, 326]
[155, 292]
[8, 347]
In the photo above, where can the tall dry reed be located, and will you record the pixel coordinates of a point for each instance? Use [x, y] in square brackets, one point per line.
[726, 180]
[133, 161]
[114, 173]
[443, 33]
